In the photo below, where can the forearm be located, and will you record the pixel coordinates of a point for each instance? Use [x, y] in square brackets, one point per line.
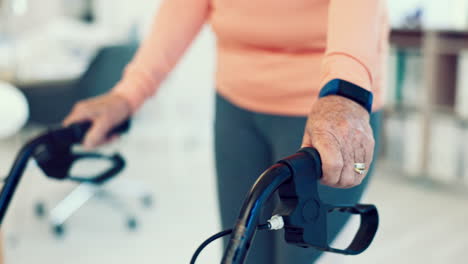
[176, 24]
[356, 34]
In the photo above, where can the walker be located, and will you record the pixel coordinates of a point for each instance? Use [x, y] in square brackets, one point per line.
[301, 213]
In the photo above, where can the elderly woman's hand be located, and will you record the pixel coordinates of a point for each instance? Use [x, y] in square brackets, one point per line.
[105, 112]
[340, 131]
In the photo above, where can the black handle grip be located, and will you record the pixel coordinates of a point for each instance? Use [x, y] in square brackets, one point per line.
[52, 151]
[315, 158]
[306, 215]
[368, 212]
[80, 129]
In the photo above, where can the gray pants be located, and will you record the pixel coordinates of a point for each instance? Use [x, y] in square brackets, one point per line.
[247, 143]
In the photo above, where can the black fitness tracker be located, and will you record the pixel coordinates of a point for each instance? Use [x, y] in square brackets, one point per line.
[350, 91]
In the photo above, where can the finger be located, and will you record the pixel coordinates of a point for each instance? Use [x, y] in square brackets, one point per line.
[332, 161]
[97, 133]
[306, 140]
[111, 139]
[79, 113]
[369, 151]
[360, 157]
[348, 175]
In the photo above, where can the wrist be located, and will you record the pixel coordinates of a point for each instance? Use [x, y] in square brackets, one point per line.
[350, 91]
[123, 102]
[334, 108]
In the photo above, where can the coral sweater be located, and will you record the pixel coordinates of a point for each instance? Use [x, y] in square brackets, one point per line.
[273, 55]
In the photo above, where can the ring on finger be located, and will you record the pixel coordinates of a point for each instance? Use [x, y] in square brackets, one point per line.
[360, 171]
[360, 168]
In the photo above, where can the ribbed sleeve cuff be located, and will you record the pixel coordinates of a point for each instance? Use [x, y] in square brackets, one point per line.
[345, 67]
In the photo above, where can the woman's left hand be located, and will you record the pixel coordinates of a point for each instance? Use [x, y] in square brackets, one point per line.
[340, 131]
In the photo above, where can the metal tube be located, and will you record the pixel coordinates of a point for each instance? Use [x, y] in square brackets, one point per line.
[245, 228]
[14, 176]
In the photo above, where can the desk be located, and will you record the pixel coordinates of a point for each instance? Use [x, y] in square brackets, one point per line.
[9, 77]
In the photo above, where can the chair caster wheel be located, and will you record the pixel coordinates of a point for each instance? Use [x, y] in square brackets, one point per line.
[58, 230]
[132, 224]
[147, 201]
[39, 210]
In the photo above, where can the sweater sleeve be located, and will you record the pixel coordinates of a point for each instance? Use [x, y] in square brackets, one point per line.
[354, 42]
[175, 26]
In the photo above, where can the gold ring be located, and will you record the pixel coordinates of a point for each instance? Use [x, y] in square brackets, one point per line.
[360, 172]
[360, 168]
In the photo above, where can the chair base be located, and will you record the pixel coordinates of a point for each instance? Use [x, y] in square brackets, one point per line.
[85, 192]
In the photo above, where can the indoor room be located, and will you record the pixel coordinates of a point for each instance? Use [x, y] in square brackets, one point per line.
[133, 131]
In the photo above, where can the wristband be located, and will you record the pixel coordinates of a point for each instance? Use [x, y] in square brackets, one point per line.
[350, 91]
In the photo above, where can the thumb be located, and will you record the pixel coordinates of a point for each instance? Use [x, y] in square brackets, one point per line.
[97, 133]
[306, 140]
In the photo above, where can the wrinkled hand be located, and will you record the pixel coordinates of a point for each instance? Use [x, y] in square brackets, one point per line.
[340, 131]
[105, 112]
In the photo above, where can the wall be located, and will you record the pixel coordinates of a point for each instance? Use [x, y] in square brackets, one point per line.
[437, 14]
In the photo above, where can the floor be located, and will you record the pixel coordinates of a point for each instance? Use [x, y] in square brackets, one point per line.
[169, 152]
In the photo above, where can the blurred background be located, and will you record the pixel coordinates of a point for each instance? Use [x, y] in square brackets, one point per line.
[163, 205]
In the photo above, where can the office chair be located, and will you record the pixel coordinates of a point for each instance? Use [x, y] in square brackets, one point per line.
[103, 73]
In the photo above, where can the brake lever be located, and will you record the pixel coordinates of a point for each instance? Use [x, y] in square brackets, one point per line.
[118, 164]
[305, 215]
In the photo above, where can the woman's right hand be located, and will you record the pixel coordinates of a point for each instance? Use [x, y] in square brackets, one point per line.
[105, 112]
